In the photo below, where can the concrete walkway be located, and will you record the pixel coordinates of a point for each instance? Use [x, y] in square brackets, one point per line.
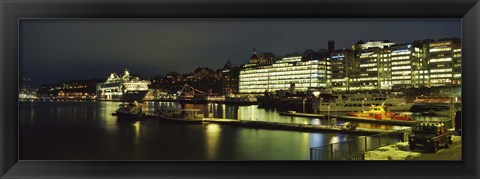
[401, 151]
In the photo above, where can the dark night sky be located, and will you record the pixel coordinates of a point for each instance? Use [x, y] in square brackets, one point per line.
[54, 50]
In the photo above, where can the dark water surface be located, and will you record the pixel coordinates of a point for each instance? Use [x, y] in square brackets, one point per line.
[82, 130]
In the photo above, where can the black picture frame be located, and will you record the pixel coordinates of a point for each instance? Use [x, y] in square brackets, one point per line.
[11, 11]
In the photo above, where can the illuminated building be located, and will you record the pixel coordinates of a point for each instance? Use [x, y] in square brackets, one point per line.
[444, 62]
[230, 75]
[304, 74]
[420, 75]
[374, 70]
[367, 76]
[373, 65]
[385, 69]
[401, 65]
[342, 65]
[457, 62]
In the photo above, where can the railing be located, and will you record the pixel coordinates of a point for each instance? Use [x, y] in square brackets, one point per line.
[353, 149]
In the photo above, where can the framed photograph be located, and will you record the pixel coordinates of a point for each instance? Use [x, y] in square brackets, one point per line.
[246, 89]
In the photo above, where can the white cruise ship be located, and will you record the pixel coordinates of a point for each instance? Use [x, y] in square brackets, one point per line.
[360, 102]
[126, 88]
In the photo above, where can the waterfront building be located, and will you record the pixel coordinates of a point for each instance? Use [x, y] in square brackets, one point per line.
[343, 65]
[302, 72]
[457, 62]
[374, 70]
[402, 58]
[372, 65]
[420, 75]
[230, 75]
[253, 76]
[367, 76]
[385, 69]
[444, 62]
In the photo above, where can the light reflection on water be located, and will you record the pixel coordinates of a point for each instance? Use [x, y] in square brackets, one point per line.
[213, 132]
[88, 131]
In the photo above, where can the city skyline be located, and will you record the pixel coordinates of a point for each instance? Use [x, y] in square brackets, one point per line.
[95, 47]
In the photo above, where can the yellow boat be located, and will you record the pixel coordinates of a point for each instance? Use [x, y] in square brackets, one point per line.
[380, 113]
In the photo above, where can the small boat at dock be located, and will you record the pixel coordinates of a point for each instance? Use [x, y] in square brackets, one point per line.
[129, 111]
[380, 112]
[180, 115]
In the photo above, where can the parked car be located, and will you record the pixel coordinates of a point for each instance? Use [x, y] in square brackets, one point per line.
[430, 136]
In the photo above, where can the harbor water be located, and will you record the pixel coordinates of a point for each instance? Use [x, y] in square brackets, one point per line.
[86, 130]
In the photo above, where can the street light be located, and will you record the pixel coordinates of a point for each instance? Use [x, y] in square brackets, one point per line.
[363, 104]
[304, 99]
[328, 114]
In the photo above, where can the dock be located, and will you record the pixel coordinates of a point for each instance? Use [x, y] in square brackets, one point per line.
[296, 127]
[351, 118]
[278, 125]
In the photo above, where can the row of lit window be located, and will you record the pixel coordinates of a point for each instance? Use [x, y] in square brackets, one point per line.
[442, 49]
[291, 78]
[439, 44]
[401, 82]
[294, 67]
[401, 63]
[440, 60]
[441, 76]
[368, 55]
[368, 65]
[283, 73]
[401, 77]
[401, 72]
[401, 53]
[253, 72]
[401, 67]
[298, 71]
[440, 81]
[440, 70]
[339, 80]
[366, 79]
[400, 58]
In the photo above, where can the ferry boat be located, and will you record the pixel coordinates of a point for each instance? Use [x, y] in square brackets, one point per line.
[180, 115]
[380, 113]
[360, 102]
[126, 88]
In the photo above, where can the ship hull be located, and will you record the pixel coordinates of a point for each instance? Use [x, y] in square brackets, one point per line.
[129, 96]
[132, 96]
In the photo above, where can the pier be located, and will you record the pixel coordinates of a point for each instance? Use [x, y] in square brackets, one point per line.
[351, 118]
[279, 126]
